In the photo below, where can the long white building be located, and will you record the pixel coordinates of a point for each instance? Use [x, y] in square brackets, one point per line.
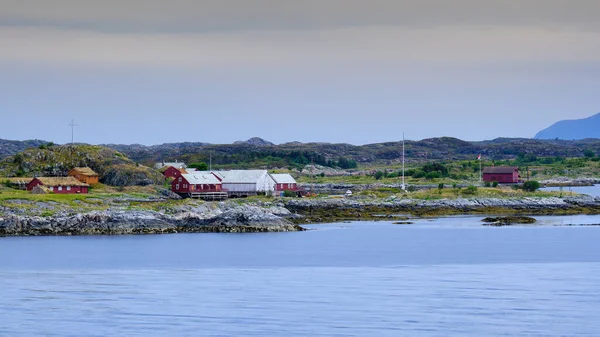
[246, 182]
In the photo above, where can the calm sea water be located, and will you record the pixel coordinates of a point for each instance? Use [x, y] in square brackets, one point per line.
[437, 277]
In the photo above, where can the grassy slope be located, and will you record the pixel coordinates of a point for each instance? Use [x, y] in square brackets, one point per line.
[112, 166]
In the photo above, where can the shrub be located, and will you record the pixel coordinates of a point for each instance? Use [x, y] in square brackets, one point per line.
[418, 174]
[289, 194]
[470, 190]
[589, 153]
[531, 186]
[494, 184]
[379, 175]
[199, 166]
[433, 175]
[487, 184]
[441, 186]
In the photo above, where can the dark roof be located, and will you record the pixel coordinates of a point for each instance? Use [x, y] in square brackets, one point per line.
[500, 170]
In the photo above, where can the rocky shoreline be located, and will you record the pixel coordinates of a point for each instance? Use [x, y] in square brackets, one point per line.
[205, 218]
[335, 209]
[278, 215]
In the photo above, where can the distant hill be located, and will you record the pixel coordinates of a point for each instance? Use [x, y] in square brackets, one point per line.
[256, 141]
[10, 147]
[258, 153]
[573, 129]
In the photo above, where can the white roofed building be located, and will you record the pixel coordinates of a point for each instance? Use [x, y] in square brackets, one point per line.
[246, 182]
[176, 164]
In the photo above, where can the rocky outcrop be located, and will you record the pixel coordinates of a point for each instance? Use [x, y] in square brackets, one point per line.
[508, 220]
[316, 210]
[231, 220]
[565, 181]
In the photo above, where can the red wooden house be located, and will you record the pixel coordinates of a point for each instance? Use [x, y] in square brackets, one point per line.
[173, 172]
[196, 183]
[501, 174]
[284, 182]
[59, 185]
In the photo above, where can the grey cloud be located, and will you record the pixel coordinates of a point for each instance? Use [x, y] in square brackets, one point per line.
[188, 16]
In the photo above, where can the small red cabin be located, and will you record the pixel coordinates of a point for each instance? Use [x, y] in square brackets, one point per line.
[284, 182]
[196, 183]
[501, 174]
[59, 185]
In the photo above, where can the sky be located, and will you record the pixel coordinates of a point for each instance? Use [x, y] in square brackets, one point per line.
[342, 71]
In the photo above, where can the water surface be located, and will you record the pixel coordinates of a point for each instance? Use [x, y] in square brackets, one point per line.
[438, 277]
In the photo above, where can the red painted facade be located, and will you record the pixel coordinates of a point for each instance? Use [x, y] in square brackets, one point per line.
[58, 189]
[172, 172]
[181, 185]
[503, 175]
[286, 187]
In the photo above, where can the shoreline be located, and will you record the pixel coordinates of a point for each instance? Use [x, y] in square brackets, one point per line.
[278, 215]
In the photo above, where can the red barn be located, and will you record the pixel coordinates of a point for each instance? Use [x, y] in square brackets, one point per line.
[59, 185]
[501, 174]
[196, 184]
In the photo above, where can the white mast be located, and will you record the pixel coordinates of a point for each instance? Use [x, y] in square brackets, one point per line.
[72, 125]
[403, 186]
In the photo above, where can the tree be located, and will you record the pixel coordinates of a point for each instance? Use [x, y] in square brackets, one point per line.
[199, 166]
[531, 186]
[589, 153]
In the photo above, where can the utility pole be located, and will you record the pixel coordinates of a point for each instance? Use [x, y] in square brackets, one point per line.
[72, 125]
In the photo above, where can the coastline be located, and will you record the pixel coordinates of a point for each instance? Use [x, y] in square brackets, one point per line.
[277, 215]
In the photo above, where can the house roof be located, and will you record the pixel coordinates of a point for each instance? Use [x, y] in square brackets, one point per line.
[86, 171]
[241, 176]
[19, 180]
[61, 181]
[500, 170]
[283, 178]
[176, 165]
[201, 178]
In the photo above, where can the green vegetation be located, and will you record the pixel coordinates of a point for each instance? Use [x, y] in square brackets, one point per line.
[531, 186]
[199, 166]
[52, 160]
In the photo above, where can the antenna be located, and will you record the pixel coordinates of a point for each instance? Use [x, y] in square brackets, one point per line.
[72, 125]
[403, 186]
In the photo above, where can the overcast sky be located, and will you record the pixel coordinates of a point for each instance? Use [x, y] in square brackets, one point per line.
[155, 71]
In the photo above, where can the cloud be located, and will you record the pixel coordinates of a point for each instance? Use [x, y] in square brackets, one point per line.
[382, 46]
[201, 16]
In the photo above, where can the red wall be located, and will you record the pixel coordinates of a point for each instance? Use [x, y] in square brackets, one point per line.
[172, 172]
[501, 177]
[177, 186]
[54, 189]
[284, 187]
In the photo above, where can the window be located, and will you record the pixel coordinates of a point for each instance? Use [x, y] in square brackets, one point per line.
[179, 179]
[68, 188]
[60, 188]
[177, 186]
